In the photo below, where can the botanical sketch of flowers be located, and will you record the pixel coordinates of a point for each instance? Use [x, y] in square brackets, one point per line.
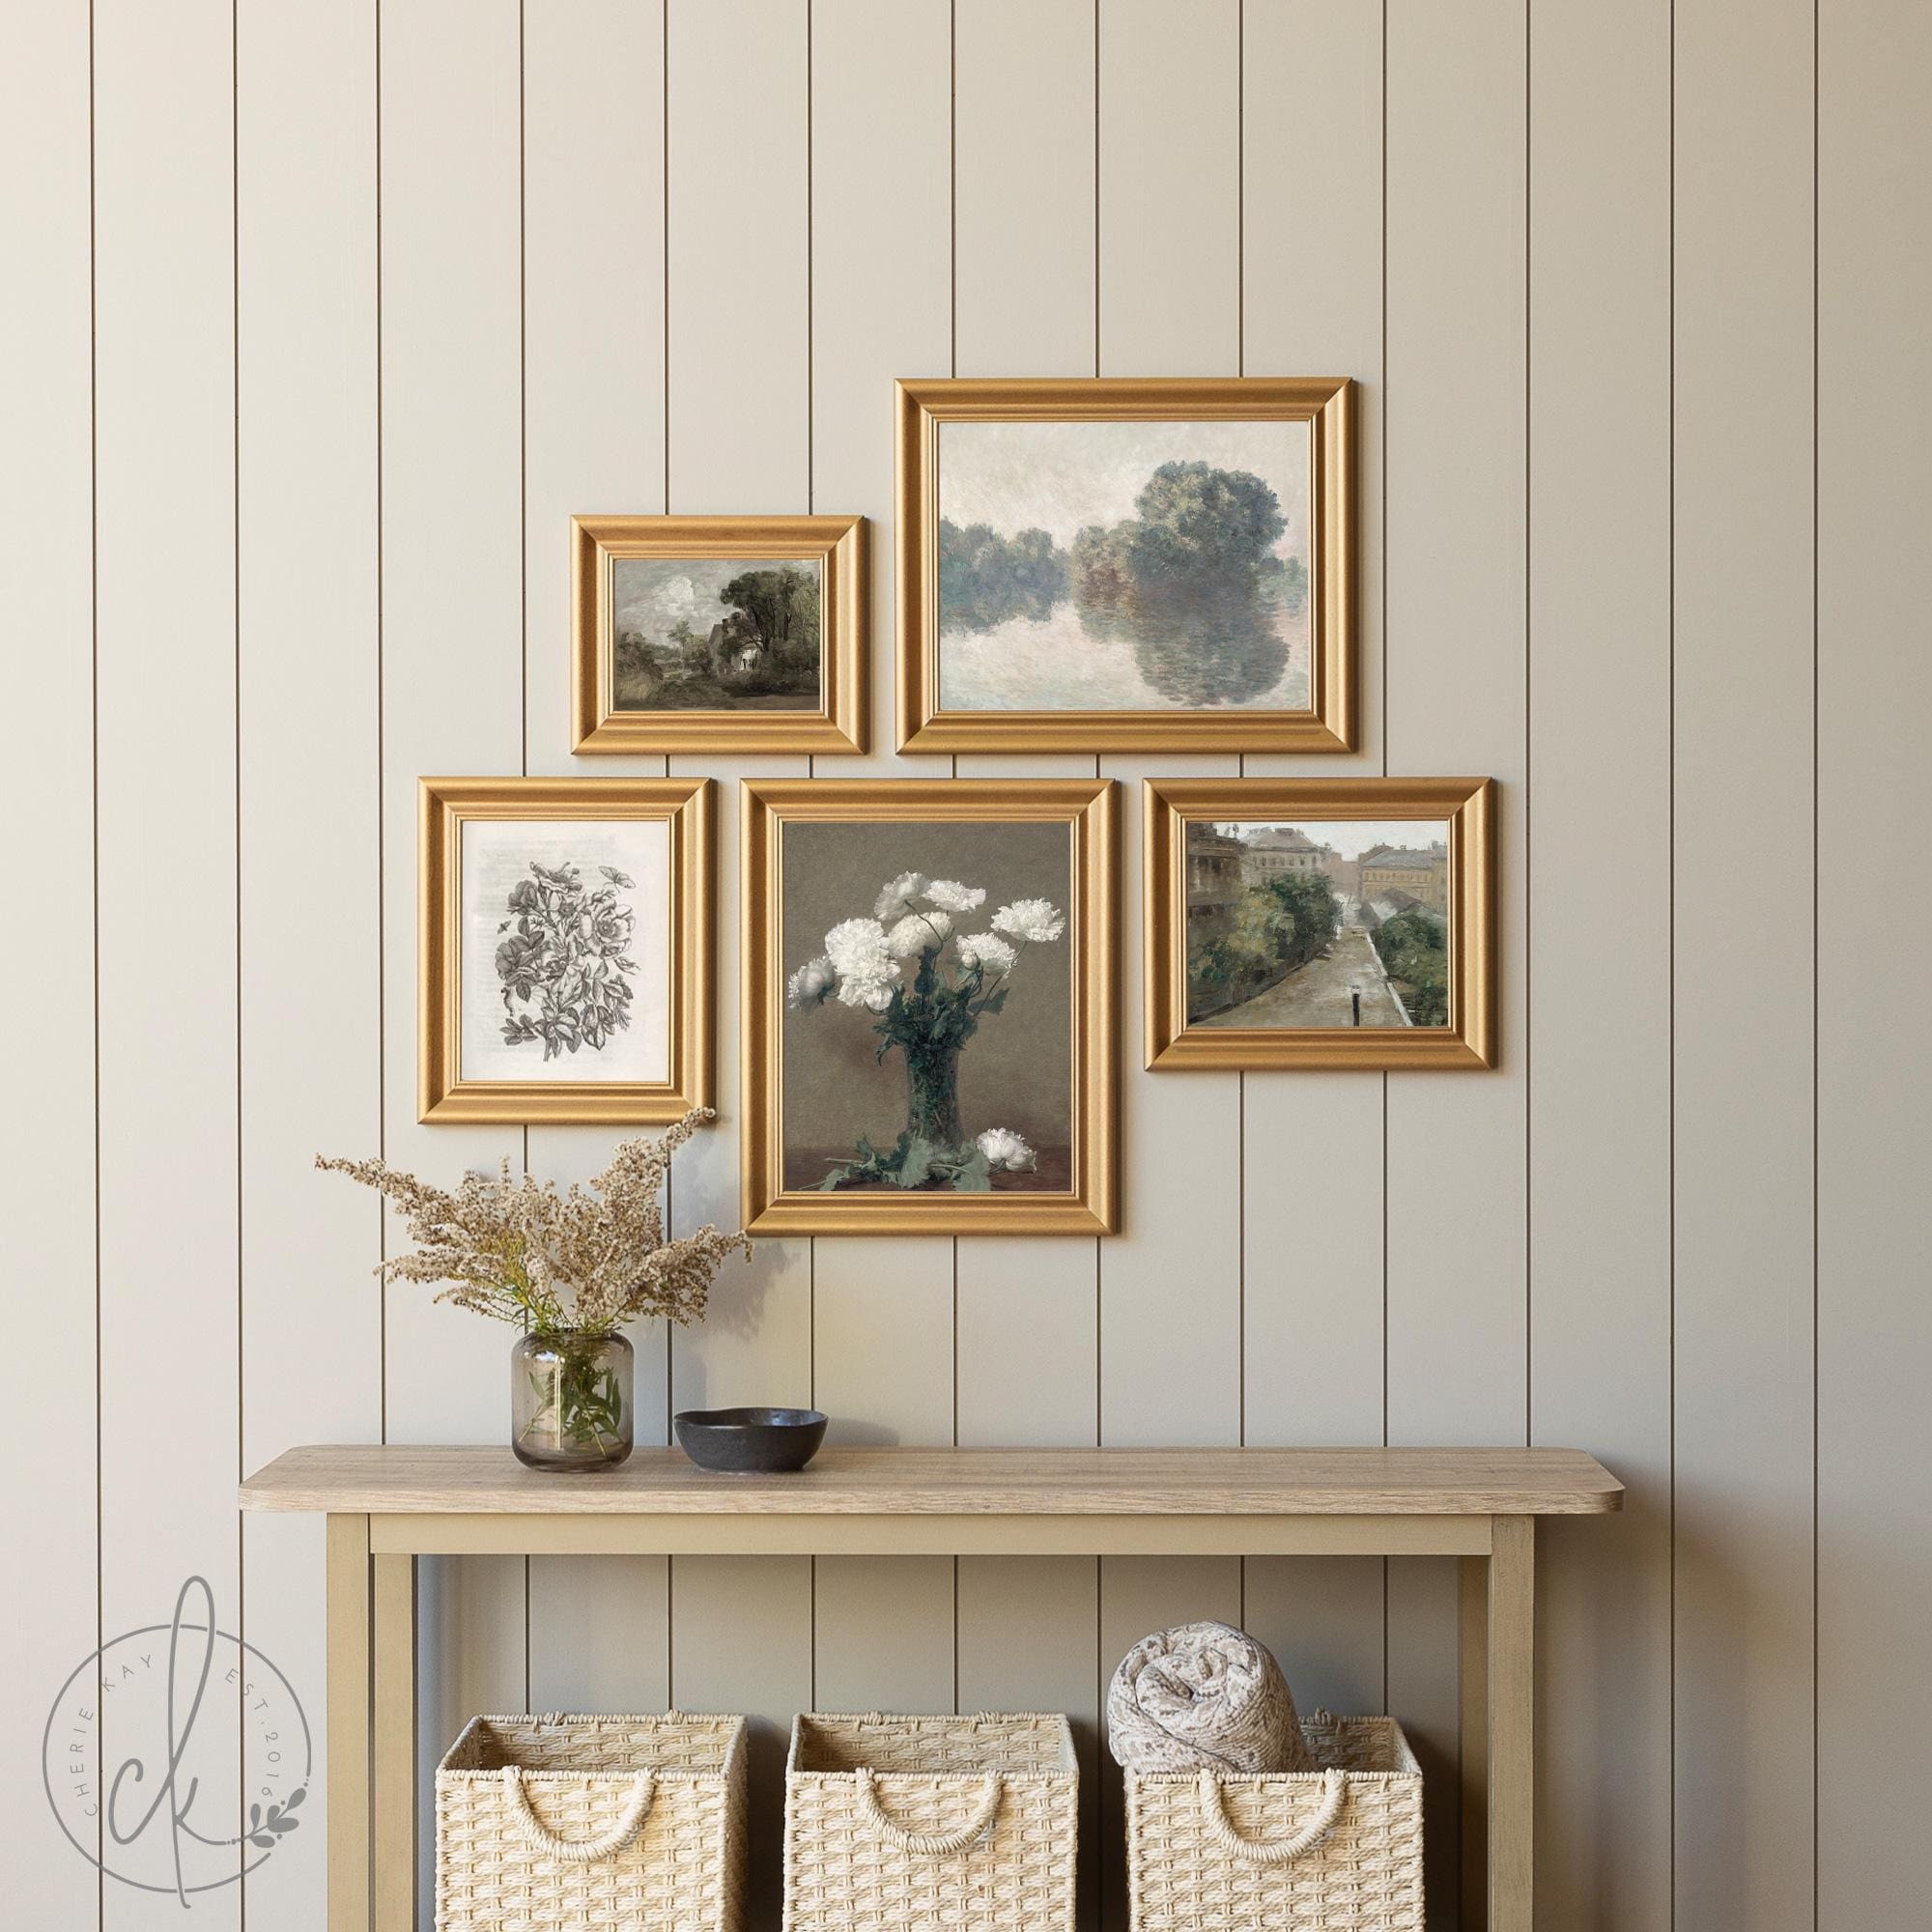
[564, 961]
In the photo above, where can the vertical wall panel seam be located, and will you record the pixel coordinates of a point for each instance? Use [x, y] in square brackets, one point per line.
[1816, 221]
[94, 781]
[382, 773]
[1385, 694]
[1671, 817]
[1528, 741]
[235, 546]
[524, 559]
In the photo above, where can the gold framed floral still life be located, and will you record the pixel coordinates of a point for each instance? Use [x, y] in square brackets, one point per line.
[719, 633]
[565, 949]
[929, 1006]
[1126, 565]
[1321, 923]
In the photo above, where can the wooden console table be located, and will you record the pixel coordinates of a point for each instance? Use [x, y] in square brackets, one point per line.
[387, 1506]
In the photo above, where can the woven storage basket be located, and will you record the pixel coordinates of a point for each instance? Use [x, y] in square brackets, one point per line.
[562, 1824]
[909, 1823]
[1336, 1850]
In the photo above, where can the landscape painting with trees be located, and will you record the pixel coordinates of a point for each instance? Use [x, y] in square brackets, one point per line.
[1322, 923]
[716, 633]
[1110, 566]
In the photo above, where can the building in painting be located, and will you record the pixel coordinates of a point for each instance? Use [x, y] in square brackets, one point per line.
[1214, 884]
[1423, 873]
[1274, 851]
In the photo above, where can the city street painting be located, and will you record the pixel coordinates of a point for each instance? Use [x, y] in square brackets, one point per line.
[1111, 565]
[1316, 923]
[1124, 566]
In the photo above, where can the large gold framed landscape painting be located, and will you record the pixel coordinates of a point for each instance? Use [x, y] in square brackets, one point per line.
[929, 1016]
[1103, 565]
[565, 949]
[1320, 922]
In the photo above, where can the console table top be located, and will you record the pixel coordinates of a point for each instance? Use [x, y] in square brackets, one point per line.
[844, 1480]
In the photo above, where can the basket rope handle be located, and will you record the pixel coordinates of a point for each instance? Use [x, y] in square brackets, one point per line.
[931, 1844]
[582, 1851]
[1214, 1813]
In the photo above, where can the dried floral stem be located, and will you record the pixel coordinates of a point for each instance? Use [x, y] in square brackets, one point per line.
[520, 1250]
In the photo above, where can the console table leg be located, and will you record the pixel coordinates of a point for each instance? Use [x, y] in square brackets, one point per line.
[1512, 1735]
[347, 1590]
[1474, 1672]
[395, 1744]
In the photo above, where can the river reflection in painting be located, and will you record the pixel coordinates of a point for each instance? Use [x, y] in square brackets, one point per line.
[1097, 566]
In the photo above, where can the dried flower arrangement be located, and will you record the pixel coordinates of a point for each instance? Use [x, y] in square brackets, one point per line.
[574, 1262]
[568, 1268]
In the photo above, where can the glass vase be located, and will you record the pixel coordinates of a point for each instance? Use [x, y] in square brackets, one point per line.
[570, 1401]
[932, 1094]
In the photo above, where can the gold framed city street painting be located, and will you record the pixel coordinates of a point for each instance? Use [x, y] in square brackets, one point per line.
[719, 633]
[929, 1006]
[1101, 565]
[1320, 922]
[565, 949]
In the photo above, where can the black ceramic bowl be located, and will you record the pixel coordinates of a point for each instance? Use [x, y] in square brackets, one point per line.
[750, 1441]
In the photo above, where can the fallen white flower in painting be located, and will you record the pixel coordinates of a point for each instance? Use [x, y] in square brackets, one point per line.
[1002, 1148]
[918, 930]
[893, 898]
[1029, 919]
[986, 951]
[954, 896]
[810, 983]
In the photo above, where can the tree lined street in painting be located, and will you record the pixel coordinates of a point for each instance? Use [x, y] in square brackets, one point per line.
[1327, 925]
[1321, 993]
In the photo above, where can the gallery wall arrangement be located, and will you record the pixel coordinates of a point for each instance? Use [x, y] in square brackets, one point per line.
[535, 533]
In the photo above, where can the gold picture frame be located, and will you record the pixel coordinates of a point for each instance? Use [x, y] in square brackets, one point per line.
[1327, 404]
[1176, 901]
[838, 545]
[1089, 809]
[448, 807]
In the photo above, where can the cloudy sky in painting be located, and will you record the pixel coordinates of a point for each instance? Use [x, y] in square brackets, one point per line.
[1058, 477]
[1352, 837]
[652, 594]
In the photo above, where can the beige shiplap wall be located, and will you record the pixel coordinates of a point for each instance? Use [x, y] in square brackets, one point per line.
[324, 317]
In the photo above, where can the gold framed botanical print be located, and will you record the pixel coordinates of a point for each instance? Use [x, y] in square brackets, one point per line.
[929, 1006]
[565, 949]
[719, 633]
[1320, 922]
[1125, 565]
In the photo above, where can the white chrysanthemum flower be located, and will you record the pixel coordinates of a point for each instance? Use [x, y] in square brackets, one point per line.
[900, 894]
[858, 951]
[1030, 918]
[1002, 1148]
[988, 952]
[916, 931]
[810, 983]
[875, 997]
[954, 896]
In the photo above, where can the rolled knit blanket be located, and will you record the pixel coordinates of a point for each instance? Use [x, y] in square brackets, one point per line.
[1203, 1694]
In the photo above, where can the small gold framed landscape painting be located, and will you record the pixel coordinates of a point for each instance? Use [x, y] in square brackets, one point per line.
[1103, 565]
[929, 1006]
[1321, 923]
[719, 633]
[565, 949]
